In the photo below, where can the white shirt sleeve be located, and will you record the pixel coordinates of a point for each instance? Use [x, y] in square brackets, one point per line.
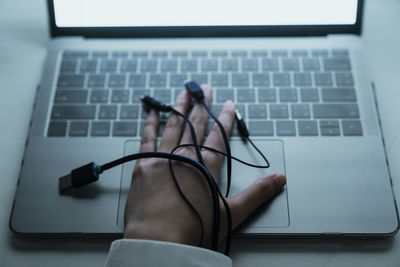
[135, 252]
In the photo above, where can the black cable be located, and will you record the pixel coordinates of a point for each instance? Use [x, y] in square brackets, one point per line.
[233, 157]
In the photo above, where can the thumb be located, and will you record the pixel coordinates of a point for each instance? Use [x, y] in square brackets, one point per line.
[244, 203]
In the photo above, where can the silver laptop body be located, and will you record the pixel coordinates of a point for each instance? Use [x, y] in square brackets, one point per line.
[314, 115]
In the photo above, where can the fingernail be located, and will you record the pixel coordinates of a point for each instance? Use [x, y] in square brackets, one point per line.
[279, 179]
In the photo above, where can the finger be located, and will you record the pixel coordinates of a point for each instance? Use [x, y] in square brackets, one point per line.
[173, 127]
[215, 140]
[244, 203]
[149, 133]
[198, 117]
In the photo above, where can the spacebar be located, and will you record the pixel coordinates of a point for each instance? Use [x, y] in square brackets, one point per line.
[336, 111]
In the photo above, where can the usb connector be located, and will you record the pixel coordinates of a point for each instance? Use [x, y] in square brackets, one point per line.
[79, 177]
[195, 90]
[241, 126]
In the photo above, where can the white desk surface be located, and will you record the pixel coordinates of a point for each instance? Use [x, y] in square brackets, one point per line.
[23, 40]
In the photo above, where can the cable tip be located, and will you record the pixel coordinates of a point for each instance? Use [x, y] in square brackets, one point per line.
[238, 115]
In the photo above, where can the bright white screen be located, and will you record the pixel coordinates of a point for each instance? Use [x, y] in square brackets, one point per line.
[100, 13]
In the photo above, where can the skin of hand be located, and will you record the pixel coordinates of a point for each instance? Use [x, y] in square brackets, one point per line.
[155, 210]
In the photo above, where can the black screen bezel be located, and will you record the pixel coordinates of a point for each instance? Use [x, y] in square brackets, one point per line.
[205, 31]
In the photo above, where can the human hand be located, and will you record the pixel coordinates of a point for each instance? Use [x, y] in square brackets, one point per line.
[154, 208]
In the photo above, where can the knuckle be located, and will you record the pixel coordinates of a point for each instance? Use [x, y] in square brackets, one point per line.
[148, 138]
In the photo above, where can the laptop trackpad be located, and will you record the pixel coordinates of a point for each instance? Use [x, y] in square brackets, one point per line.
[273, 214]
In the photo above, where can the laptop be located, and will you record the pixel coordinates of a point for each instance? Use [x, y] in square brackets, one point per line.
[294, 69]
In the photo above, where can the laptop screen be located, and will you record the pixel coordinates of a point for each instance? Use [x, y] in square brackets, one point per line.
[130, 13]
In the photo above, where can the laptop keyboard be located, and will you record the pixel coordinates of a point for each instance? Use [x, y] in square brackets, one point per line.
[279, 92]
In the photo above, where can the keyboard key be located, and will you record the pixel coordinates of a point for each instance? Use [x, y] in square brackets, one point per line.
[216, 109]
[319, 52]
[302, 79]
[209, 65]
[261, 128]
[119, 54]
[219, 79]
[239, 53]
[241, 79]
[224, 95]
[311, 64]
[340, 52]
[129, 65]
[178, 79]
[281, 79]
[163, 95]
[88, 65]
[309, 95]
[337, 64]
[70, 80]
[179, 53]
[246, 95]
[219, 53]
[285, 128]
[140, 54]
[307, 128]
[96, 80]
[158, 80]
[57, 128]
[249, 64]
[266, 95]
[189, 65]
[260, 79]
[100, 54]
[339, 95]
[129, 112]
[344, 79]
[200, 78]
[108, 65]
[290, 64]
[99, 96]
[124, 129]
[149, 65]
[120, 96]
[177, 92]
[329, 128]
[137, 80]
[288, 95]
[336, 111]
[229, 65]
[300, 111]
[258, 111]
[352, 128]
[68, 65]
[299, 53]
[323, 79]
[108, 112]
[67, 96]
[78, 128]
[279, 111]
[137, 93]
[279, 53]
[199, 53]
[75, 54]
[73, 112]
[159, 53]
[100, 128]
[259, 53]
[169, 65]
[117, 80]
[269, 64]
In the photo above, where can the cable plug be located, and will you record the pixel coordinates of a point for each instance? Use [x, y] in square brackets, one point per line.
[195, 90]
[152, 103]
[79, 177]
[241, 126]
